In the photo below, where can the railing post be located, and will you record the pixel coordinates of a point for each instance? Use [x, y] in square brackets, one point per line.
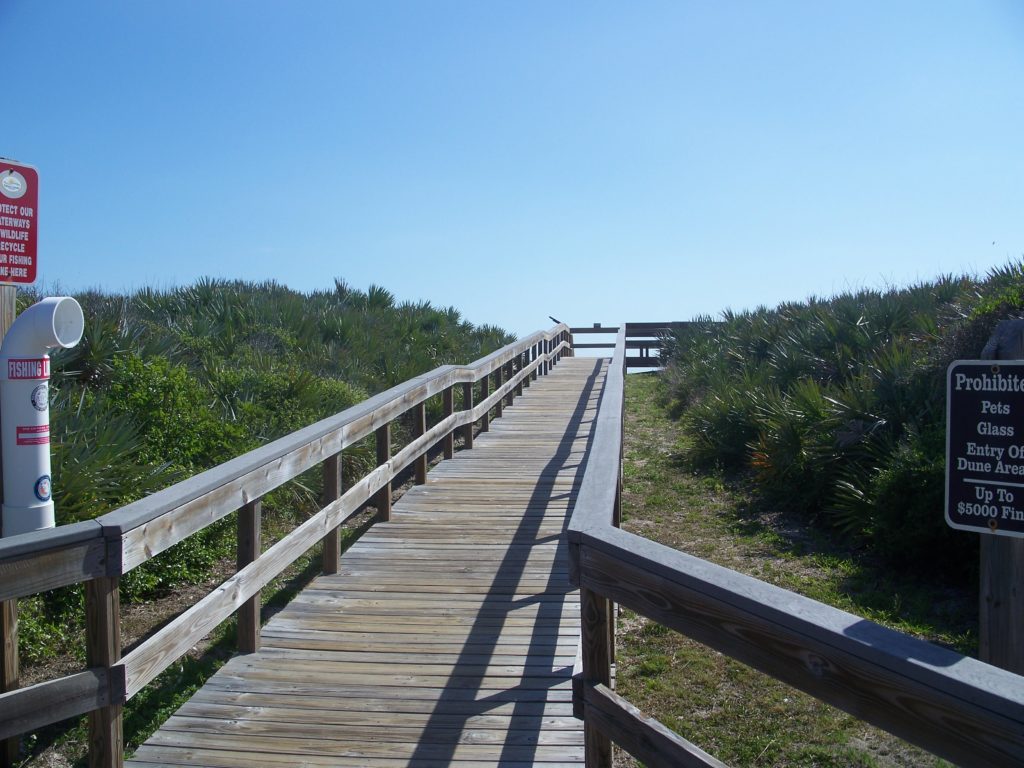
[595, 618]
[103, 649]
[520, 365]
[534, 354]
[525, 358]
[485, 420]
[509, 373]
[1001, 586]
[467, 405]
[332, 491]
[497, 385]
[382, 499]
[448, 404]
[249, 548]
[419, 428]
[9, 672]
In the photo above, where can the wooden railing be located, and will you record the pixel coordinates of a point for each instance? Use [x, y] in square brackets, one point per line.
[643, 341]
[100, 551]
[956, 707]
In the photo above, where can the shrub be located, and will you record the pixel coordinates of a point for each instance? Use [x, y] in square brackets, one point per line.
[838, 405]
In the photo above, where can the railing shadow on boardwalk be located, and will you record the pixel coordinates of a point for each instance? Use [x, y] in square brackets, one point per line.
[99, 552]
[528, 715]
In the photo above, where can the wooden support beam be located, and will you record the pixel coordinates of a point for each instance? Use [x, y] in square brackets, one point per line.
[9, 668]
[597, 670]
[382, 501]
[249, 548]
[485, 420]
[467, 405]
[643, 737]
[419, 427]
[1001, 602]
[509, 373]
[498, 381]
[103, 649]
[9, 674]
[448, 406]
[1001, 592]
[332, 491]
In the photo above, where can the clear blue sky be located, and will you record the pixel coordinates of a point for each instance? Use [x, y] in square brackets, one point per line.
[595, 161]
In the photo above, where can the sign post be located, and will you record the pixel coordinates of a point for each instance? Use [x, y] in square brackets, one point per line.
[19, 237]
[985, 484]
[9, 671]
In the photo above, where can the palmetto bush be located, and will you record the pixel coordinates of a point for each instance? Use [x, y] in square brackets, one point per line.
[168, 383]
[795, 452]
[836, 407]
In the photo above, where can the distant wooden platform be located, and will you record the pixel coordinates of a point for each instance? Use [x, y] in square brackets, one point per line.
[448, 636]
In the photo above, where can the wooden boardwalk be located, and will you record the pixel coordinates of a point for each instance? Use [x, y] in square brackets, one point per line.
[450, 633]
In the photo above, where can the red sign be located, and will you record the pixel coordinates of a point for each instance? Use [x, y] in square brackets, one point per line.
[19, 212]
[36, 435]
[22, 368]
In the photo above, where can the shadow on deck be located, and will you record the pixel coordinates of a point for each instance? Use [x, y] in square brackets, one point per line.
[450, 632]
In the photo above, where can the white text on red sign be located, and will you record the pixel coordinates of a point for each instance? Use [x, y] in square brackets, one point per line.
[21, 368]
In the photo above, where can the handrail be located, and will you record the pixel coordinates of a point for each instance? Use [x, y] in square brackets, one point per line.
[99, 551]
[646, 338]
[23, 557]
[954, 706]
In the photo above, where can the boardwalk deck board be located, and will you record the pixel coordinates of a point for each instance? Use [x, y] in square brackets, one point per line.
[449, 633]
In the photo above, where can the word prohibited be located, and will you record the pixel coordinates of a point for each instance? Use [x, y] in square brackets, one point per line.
[985, 446]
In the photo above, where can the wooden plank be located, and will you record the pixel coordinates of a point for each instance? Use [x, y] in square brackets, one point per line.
[382, 500]
[498, 381]
[103, 649]
[1001, 602]
[643, 737]
[448, 408]
[49, 559]
[10, 674]
[956, 707]
[448, 634]
[9, 671]
[509, 372]
[595, 329]
[597, 670]
[332, 492]
[485, 417]
[635, 329]
[419, 428]
[467, 405]
[249, 548]
[36, 706]
[216, 758]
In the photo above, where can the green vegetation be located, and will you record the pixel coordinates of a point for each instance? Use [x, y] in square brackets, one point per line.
[166, 384]
[739, 715]
[836, 407]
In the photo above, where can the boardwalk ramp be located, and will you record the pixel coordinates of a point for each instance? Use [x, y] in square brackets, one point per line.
[447, 637]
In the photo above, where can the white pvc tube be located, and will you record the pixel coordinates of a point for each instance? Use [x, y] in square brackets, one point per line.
[25, 409]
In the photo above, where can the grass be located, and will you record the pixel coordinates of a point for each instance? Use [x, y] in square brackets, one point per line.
[739, 715]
